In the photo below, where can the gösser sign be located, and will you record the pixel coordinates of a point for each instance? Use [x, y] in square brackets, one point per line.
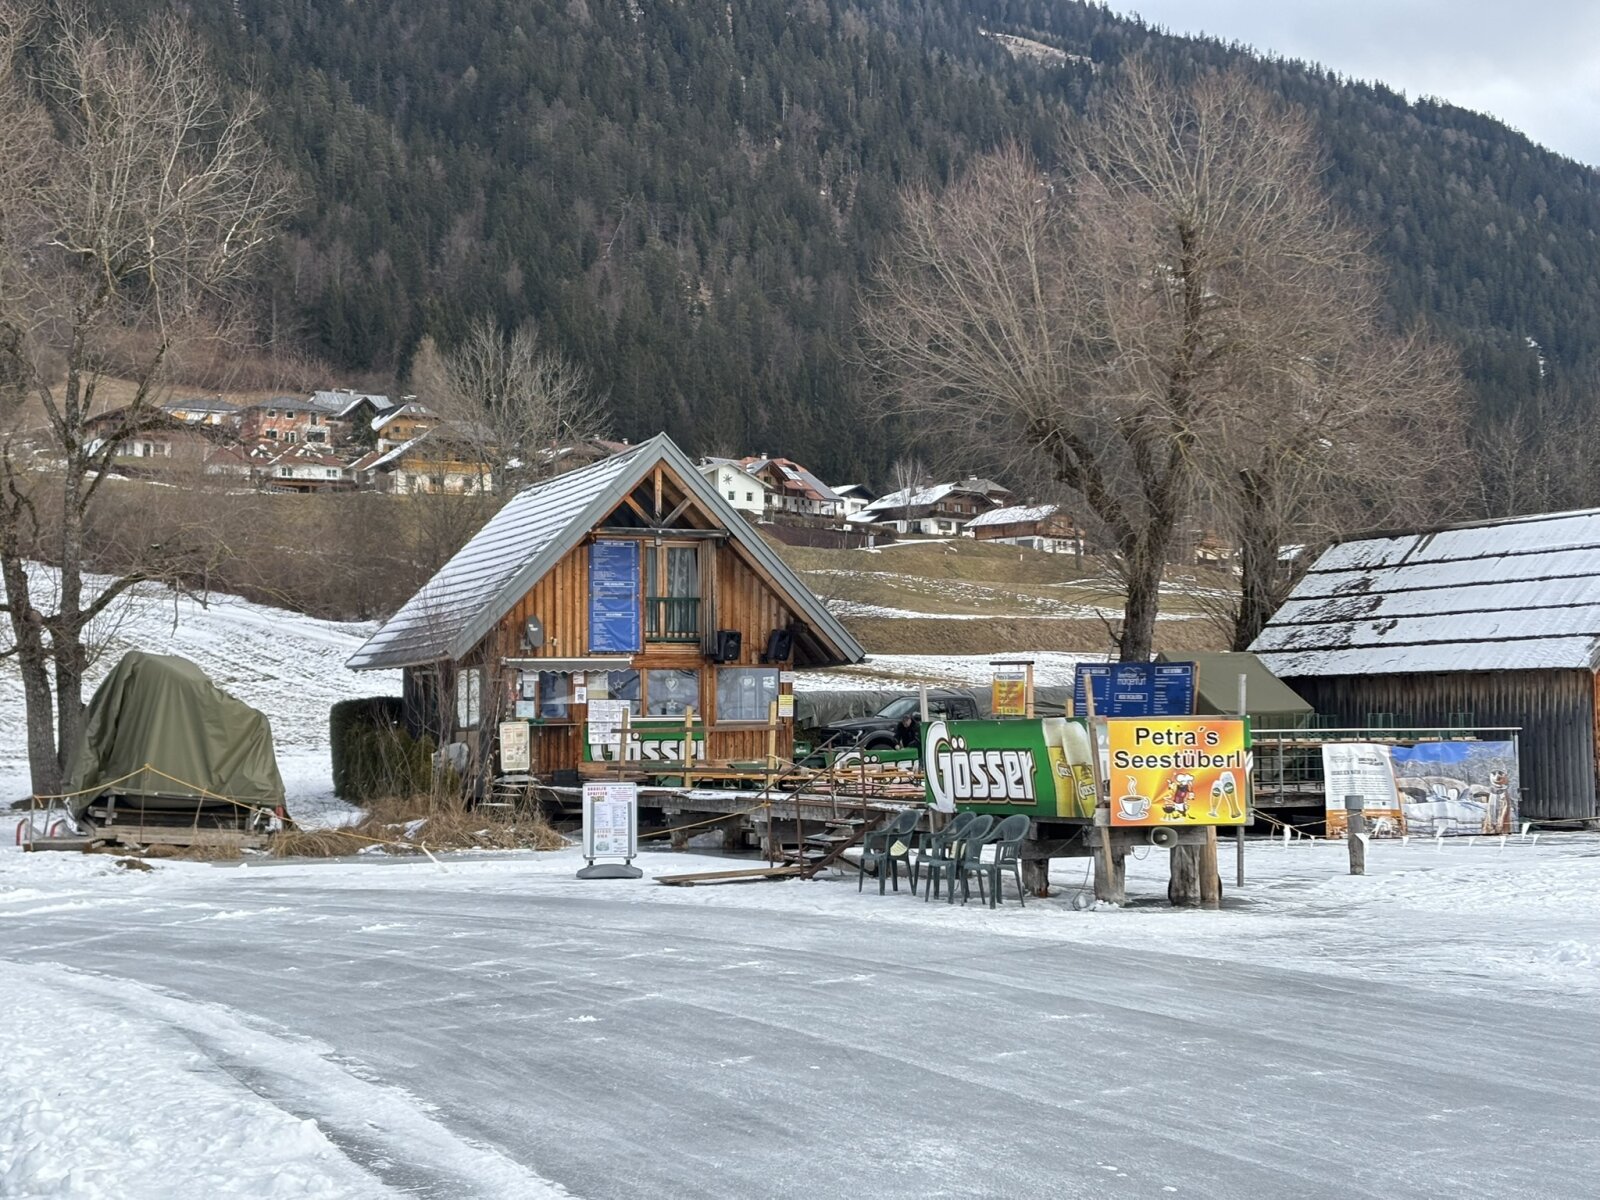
[1037, 767]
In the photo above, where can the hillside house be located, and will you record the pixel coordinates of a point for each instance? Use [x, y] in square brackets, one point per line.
[793, 491]
[1489, 625]
[1036, 526]
[307, 467]
[628, 586]
[432, 462]
[748, 493]
[853, 498]
[289, 421]
[939, 509]
[203, 411]
[395, 428]
[355, 409]
[153, 439]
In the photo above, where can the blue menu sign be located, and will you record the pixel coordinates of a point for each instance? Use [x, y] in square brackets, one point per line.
[1136, 689]
[615, 619]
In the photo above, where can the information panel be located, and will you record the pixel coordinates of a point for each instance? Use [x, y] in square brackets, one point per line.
[1136, 689]
[610, 820]
[616, 624]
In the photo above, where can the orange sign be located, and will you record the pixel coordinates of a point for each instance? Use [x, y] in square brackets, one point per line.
[1009, 696]
[1178, 770]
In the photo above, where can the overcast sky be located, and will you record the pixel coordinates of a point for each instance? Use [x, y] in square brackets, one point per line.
[1534, 64]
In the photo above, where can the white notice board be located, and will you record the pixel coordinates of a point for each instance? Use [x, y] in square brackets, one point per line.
[514, 754]
[610, 820]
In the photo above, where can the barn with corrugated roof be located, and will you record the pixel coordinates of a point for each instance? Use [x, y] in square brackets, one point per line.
[1488, 625]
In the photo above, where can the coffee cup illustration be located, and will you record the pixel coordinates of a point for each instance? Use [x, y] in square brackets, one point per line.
[1133, 807]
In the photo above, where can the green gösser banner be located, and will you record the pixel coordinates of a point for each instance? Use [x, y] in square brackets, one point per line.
[1042, 768]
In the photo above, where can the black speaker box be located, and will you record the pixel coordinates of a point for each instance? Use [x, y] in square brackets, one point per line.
[730, 642]
[780, 644]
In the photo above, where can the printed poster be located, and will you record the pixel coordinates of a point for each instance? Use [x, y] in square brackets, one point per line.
[1451, 788]
[1193, 771]
[1361, 769]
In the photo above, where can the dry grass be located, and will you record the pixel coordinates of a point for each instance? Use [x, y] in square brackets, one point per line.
[418, 826]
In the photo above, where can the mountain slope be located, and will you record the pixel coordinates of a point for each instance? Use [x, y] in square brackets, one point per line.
[687, 197]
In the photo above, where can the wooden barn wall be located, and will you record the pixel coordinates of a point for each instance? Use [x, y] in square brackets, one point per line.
[743, 601]
[1556, 711]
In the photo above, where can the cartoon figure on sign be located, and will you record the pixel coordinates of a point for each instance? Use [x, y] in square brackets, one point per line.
[1225, 790]
[1174, 799]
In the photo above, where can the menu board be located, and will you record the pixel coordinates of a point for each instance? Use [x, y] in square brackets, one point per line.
[1136, 689]
[610, 820]
[615, 620]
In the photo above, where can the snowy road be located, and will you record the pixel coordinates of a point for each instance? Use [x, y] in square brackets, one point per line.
[481, 1029]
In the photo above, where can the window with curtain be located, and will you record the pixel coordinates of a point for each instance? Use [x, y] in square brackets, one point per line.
[616, 685]
[744, 693]
[668, 693]
[555, 696]
[469, 698]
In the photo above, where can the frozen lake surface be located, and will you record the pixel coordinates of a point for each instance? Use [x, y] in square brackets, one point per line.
[493, 1027]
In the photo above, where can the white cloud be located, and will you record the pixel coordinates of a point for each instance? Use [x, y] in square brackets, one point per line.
[1534, 65]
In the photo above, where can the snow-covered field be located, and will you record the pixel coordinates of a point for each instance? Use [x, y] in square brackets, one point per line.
[494, 1027]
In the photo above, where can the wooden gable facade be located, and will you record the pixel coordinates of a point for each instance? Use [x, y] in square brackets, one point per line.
[661, 636]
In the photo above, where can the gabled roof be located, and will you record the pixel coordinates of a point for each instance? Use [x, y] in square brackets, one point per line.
[208, 404]
[792, 478]
[341, 401]
[412, 409]
[1520, 594]
[1016, 515]
[472, 592]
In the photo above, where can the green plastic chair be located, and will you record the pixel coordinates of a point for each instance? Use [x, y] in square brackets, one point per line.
[877, 851]
[936, 844]
[965, 852]
[1006, 838]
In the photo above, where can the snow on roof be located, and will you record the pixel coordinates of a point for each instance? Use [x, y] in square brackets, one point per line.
[204, 404]
[1520, 594]
[341, 401]
[543, 522]
[1016, 515]
[412, 409]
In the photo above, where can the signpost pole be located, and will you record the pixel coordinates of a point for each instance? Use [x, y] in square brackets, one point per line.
[1238, 830]
[1356, 834]
[1108, 882]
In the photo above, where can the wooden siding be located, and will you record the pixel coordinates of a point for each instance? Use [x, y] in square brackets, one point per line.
[1556, 710]
[743, 600]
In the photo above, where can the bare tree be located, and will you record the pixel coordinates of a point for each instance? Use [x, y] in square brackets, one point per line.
[509, 396]
[133, 200]
[1180, 278]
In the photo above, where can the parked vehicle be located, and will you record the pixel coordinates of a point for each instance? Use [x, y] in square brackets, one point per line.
[877, 732]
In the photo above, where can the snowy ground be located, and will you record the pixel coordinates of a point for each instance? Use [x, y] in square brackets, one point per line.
[493, 1027]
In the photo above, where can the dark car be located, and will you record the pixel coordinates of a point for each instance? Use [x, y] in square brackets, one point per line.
[877, 732]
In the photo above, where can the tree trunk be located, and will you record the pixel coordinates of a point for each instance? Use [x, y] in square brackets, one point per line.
[44, 767]
[1261, 575]
[1144, 561]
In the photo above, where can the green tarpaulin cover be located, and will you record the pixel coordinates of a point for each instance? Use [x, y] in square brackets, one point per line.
[162, 711]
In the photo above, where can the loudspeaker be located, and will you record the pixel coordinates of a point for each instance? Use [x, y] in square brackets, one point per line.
[1164, 836]
[730, 642]
[780, 644]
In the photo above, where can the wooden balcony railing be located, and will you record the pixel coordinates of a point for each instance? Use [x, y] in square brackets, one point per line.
[672, 619]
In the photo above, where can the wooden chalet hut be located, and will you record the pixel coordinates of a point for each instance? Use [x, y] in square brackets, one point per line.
[630, 587]
[1480, 626]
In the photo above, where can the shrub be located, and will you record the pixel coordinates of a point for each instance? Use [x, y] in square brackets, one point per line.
[351, 720]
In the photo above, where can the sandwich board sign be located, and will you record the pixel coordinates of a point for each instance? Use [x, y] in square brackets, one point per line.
[610, 829]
